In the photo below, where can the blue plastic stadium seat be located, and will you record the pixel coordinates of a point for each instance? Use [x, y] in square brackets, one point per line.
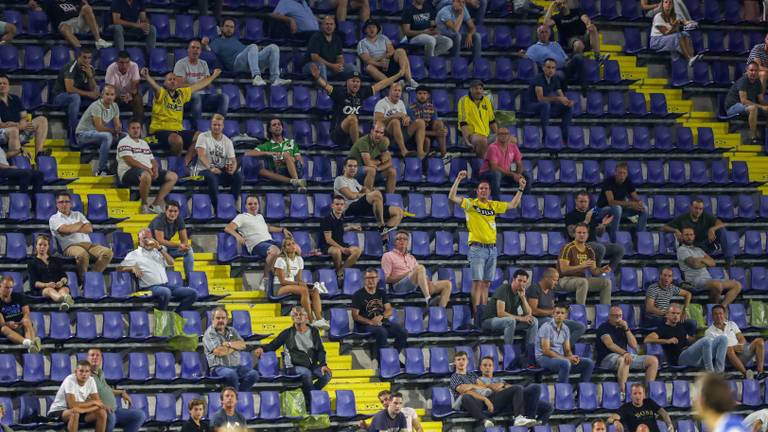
[441, 402]
[564, 400]
[681, 396]
[138, 327]
[138, 366]
[269, 405]
[61, 366]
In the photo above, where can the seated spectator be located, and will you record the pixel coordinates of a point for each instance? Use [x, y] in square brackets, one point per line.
[423, 109]
[575, 259]
[250, 230]
[77, 401]
[570, 69]
[136, 166]
[288, 281]
[380, 57]
[535, 408]
[508, 309]
[681, 348]
[168, 110]
[304, 348]
[411, 417]
[281, 157]
[759, 54]
[740, 352]
[23, 177]
[228, 418]
[298, 16]
[391, 417]
[405, 275]
[757, 421]
[500, 159]
[639, 412]
[332, 238]
[455, 22]
[148, 263]
[391, 111]
[217, 162]
[546, 98]
[325, 50]
[553, 349]
[619, 198]
[658, 297]
[582, 213]
[74, 83]
[693, 261]
[238, 58]
[100, 125]
[371, 312]
[347, 101]
[14, 317]
[165, 227]
[418, 25]
[477, 8]
[7, 32]
[71, 17]
[476, 118]
[223, 345]
[16, 128]
[46, 275]
[123, 75]
[668, 34]
[129, 419]
[130, 16]
[192, 69]
[363, 202]
[574, 28]
[614, 339]
[541, 300]
[471, 394]
[746, 97]
[70, 229]
[651, 7]
[709, 231]
[374, 158]
[196, 423]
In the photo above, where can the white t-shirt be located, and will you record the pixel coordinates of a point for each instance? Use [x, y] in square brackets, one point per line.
[290, 268]
[386, 107]
[730, 330]
[70, 386]
[341, 182]
[761, 415]
[218, 152]
[151, 263]
[658, 20]
[410, 416]
[137, 149]
[253, 228]
[65, 241]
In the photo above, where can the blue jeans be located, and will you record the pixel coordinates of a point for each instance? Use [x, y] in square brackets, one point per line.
[186, 296]
[215, 102]
[189, 259]
[507, 325]
[212, 180]
[534, 407]
[118, 36]
[102, 139]
[348, 68]
[576, 328]
[71, 103]
[252, 59]
[458, 43]
[564, 368]
[482, 262]
[496, 178]
[619, 212]
[307, 376]
[386, 330]
[129, 419]
[547, 110]
[707, 352]
[239, 377]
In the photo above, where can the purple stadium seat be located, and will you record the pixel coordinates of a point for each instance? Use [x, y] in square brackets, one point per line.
[414, 362]
[564, 400]
[681, 396]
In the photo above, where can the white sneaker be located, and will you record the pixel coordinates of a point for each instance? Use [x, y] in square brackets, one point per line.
[694, 59]
[321, 324]
[281, 82]
[412, 83]
[524, 421]
[64, 306]
[263, 285]
[145, 209]
[488, 424]
[750, 374]
[299, 184]
[258, 81]
[101, 43]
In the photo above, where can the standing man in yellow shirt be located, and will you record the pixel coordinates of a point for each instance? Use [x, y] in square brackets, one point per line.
[481, 215]
[476, 118]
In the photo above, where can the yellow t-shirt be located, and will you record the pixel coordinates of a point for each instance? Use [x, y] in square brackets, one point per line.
[481, 219]
[477, 116]
[167, 111]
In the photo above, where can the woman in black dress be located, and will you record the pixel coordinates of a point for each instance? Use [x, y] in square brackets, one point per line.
[46, 277]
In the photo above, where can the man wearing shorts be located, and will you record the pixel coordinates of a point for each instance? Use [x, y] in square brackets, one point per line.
[136, 166]
[576, 30]
[165, 227]
[332, 238]
[405, 275]
[16, 129]
[693, 261]
[746, 97]
[7, 32]
[168, 110]
[614, 338]
[71, 17]
[481, 222]
[391, 111]
[740, 352]
[374, 160]
[77, 401]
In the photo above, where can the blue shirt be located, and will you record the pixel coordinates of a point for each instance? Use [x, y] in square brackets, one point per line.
[557, 339]
[539, 52]
[549, 87]
[128, 12]
[730, 423]
[446, 14]
[226, 50]
[300, 11]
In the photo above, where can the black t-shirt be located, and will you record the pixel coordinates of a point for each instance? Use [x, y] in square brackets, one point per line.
[621, 192]
[169, 228]
[419, 19]
[59, 11]
[700, 227]
[335, 226]
[753, 90]
[345, 104]
[40, 272]
[11, 112]
[369, 305]
[673, 351]
[619, 337]
[13, 311]
[549, 87]
[574, 217]
[569, 25]
[190, 426]
[632, 416]
[74, 72]
[328, 51]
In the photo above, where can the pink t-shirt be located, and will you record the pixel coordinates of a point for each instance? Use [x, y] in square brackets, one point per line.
[502, 159]
[396, 263]
[122, 82]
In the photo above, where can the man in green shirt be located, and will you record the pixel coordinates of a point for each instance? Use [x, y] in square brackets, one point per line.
[128, 418]
[372, 154]
[282, 161]
[710, 233]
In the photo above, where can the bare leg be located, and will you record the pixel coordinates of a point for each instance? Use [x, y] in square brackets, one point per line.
[269, 263]
[687, 47]
[651, 368]
[419, 277]
[10, 32]
[55, 295]
[395, 216]
[341, 10]
[170, 181]
[752, 120]
[758, 346]
[351, 126]
[594, 40]
[273, 176]
[443, 288]
[375, 73]
[477, 287]
[394, 129]
[370, 177]
[419, 129]
[68, 34]
[12, 335]
[365, 9]
[41, 132]
[402, 59]
[735, 361]
[377, 202]
[335, 254]
[317, 307]
[290, 165]
[391, 174]
[296, 290]
[87, 12]
[480, 144]
[145, 181]
[14, 142]
[622, 373]
[440, 133]
[353, 256]
[733, 289]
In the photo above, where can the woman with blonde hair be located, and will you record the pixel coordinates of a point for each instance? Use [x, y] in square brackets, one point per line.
[287, 281]
[46, 276]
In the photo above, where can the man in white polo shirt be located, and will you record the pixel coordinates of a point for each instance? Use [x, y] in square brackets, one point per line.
[70, 229]
[739, 352]
[148, 263]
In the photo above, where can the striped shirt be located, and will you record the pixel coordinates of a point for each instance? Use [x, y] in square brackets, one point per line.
[458, 379]
[758, 54]
[662, 296]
